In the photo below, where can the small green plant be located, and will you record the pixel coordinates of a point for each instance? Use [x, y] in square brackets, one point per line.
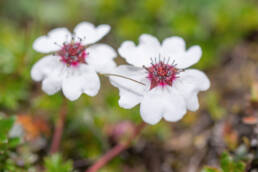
[227, 164]
[7, 145]
[55, 163]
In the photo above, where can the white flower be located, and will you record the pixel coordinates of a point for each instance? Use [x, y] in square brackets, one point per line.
[73, 64]
[166, 90]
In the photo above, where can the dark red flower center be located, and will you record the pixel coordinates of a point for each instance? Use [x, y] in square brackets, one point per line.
[162, 74]
[73, 54]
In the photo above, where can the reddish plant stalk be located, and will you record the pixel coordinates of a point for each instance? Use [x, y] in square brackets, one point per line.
[59, 126]
[115, 150]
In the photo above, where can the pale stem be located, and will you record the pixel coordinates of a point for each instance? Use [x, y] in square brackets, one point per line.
[121, 76]
[59, 126]
[115, 150]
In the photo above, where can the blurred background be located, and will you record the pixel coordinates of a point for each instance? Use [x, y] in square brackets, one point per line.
[221, 137]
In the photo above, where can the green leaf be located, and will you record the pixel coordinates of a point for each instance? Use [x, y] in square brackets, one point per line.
[5, 125]
[210, 169]
[55, 163]
[225, 162]
[13, 142]
[228, 164]
[239, 167]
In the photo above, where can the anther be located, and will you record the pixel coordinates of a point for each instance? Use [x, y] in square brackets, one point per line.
[161, 73]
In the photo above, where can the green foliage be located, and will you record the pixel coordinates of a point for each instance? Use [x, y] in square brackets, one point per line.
[216, 26]
[227, 164]
[210, 169]
[216, 109]
[7, 145]
[5, 126]
[212, 24]
[55, 163]
[14, 53]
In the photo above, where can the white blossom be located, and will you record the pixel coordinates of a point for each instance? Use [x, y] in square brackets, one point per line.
[72, 62]
[163, 86]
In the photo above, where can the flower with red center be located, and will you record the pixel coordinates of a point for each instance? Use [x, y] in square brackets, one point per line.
[73, 62]
[163, 89]
[161, 74]
[73, 54]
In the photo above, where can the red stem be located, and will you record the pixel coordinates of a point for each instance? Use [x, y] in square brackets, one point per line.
[115, 150]
[58, 130]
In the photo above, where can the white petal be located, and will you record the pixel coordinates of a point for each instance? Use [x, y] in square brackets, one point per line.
[72, 88]
[91, 84]
[148, 48]
[131, 93]
[53, 81]
[51, 85]
[173, 45]
[53, 41]
[90, 34]
[101, 57]
[174, 48]
[191, 57]
[44, 67]
[80, 80]
[189, 83]
[162, 102]
[176, 107]
[192, 102]
[151, 109]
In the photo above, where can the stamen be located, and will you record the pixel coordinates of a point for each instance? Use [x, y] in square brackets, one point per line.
[57, 44]
[168, 60]
[73, 53]
[162, 73]
[145, 68]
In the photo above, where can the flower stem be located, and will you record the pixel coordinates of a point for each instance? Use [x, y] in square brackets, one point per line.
[59, 126]
[115, 150]
[121, 76]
